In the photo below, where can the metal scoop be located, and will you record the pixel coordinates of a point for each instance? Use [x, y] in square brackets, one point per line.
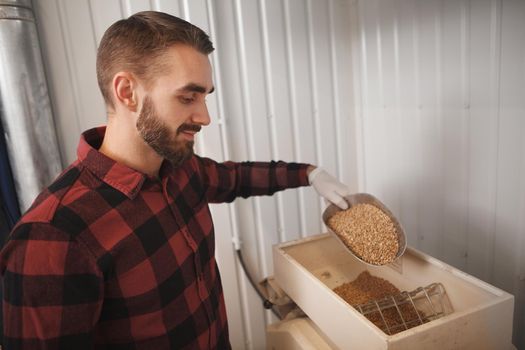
[365, 198]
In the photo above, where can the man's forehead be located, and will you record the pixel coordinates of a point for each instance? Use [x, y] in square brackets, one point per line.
[184, 55]
[187, 70]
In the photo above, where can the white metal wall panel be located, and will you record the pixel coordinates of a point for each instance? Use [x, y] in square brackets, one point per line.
[442, 130]
[509, 256]
[282, 71]
[270, 67]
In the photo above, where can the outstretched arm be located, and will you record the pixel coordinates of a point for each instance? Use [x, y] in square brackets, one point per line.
[226, 181]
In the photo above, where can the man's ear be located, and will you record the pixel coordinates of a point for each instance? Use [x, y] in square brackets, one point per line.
[125, 91]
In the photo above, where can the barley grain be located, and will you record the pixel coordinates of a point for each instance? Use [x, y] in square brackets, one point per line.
[368, 232]
[366, 288]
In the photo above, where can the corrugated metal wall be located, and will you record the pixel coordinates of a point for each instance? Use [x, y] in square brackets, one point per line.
[280, 62]
[442, 129]
[437, 88]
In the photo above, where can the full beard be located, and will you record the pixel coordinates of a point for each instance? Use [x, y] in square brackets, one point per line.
[160, 138]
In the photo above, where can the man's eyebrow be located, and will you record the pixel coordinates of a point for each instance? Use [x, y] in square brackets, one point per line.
[191, 87]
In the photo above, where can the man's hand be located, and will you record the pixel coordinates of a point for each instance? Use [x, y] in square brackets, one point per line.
[328, 187]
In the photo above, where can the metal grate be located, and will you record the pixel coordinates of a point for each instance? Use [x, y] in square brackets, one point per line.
[396, 313]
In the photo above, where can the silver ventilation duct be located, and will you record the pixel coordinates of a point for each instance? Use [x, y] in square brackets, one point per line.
[25, 108]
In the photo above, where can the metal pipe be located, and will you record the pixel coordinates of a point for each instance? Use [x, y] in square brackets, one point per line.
[25, 108]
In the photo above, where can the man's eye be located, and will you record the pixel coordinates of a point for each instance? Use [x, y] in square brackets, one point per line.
[186, 100]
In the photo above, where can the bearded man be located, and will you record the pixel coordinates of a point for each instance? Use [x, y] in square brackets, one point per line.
[118, 252]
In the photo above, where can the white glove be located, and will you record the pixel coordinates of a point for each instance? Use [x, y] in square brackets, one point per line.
[329, 187]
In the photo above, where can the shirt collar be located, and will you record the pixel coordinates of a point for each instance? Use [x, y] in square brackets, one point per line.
[124, 179]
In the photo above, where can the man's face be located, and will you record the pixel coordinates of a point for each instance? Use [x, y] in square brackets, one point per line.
[174, 109]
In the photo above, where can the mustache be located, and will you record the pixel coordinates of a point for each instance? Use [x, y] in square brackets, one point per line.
[189, 127]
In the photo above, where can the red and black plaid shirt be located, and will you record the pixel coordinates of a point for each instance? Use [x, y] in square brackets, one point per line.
[108, 257]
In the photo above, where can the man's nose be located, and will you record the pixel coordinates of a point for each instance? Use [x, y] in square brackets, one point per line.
[201, 117]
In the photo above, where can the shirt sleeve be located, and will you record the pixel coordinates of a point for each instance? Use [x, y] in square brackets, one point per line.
[226, 181]
[52, 292]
